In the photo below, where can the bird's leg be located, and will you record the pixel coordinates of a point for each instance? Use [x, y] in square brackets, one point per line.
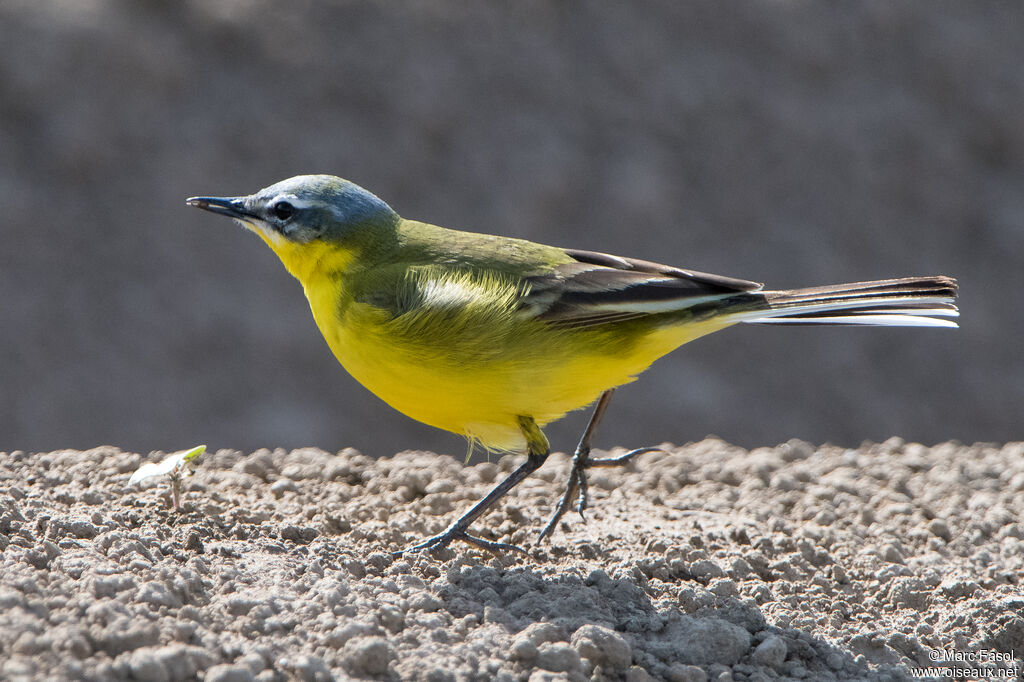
[581, 462]
[577, 477]
[537, 452]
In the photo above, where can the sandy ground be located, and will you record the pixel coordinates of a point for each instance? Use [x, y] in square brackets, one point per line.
[705, 562]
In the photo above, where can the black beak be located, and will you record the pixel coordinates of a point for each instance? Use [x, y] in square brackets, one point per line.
[232, 207]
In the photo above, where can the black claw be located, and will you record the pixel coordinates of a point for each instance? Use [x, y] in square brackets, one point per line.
[549, 527]
[621, 459]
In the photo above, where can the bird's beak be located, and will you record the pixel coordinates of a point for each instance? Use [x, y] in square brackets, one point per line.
[233, 207]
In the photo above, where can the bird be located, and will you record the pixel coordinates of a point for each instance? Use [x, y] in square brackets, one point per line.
[494, 337]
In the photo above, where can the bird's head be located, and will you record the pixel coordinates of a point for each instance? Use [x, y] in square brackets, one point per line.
[307, 213]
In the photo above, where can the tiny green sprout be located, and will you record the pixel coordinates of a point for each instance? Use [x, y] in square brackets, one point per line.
[174, 466]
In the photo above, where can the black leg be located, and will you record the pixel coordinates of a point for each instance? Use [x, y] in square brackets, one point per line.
[537, 452]
[581, 462]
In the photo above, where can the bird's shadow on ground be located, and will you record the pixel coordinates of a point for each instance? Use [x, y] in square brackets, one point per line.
[660, 635]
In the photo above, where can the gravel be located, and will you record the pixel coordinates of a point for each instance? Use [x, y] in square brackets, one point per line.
[702, 562]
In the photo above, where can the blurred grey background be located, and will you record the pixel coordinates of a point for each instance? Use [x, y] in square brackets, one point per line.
[793, 143]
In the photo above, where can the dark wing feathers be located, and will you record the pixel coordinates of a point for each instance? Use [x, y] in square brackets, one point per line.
[600, 288]
[725, 284]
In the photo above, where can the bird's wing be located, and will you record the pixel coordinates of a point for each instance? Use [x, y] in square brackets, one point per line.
[597, 288]
[434, 298]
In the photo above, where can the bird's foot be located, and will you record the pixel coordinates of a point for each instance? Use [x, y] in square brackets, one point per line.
[577, 483]
[442, 540]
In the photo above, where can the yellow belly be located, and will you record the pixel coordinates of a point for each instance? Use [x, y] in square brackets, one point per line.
[547, 375]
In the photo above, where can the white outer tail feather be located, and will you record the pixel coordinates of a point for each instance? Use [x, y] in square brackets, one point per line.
[926, 302]
[881, 320]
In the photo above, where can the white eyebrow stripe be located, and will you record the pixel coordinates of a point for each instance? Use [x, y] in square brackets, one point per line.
[293, 200]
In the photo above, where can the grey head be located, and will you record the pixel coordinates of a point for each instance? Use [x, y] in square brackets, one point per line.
[304, 208]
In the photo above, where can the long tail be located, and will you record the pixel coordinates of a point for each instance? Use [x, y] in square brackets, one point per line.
[907, 301]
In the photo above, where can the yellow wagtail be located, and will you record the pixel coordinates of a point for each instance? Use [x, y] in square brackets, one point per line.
[493, 338]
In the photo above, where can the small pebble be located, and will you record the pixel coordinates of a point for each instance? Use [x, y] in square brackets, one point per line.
[299, 534]
[156, 594]
[706, 569]
[524, 650]
[638, 674]
[229, 673]
[539, 633]
[558, 657]
[313, 669]
[939, 528]
[283, 485]
[771, 652]
[145, 666]
[367, 655]
[892, 554]
[603, 646]
[678, 672]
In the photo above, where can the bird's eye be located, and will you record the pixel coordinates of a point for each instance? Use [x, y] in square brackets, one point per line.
[282, 210]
